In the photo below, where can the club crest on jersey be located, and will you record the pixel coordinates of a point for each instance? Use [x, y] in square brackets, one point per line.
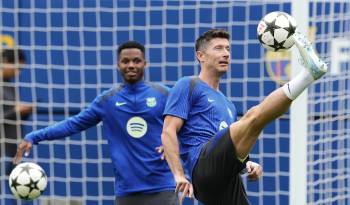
[136, 127]
[151, 101]
[223, 125]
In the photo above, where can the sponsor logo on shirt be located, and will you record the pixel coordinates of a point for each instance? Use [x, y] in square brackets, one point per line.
[151, 101]
[136, 127]
[223, 125]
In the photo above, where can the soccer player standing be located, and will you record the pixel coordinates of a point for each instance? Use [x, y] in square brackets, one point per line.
[132, 121]
[213, 145]
[12, 111]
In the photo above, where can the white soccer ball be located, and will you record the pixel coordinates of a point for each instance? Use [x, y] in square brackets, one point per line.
[275, 31]
[27, 181]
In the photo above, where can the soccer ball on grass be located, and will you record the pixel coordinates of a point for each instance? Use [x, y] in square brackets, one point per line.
[275, 31]
[27, 181]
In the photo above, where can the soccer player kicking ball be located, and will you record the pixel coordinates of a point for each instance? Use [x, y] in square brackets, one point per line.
[141, 177]
[214, 146]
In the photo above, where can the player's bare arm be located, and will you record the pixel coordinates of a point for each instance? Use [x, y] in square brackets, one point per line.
[171, 150]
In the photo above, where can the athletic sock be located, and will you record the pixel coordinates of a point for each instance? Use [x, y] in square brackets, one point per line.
[297, 85]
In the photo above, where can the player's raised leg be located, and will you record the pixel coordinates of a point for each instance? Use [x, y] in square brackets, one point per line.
[245, 132]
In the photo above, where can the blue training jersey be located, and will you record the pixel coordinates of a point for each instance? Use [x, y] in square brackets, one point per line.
[132, 124]
[204, 110]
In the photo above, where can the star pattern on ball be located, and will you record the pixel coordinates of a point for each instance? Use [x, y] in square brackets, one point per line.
[27, 168]
[291, 28]
[32, 185]
[14, 183]
[278, 46]
[278, 31]
[27, 181]
[271, 26]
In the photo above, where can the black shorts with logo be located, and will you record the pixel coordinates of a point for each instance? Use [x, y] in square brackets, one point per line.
[216, 177]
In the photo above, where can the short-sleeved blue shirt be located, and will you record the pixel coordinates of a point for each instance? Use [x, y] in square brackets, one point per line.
[204, 110]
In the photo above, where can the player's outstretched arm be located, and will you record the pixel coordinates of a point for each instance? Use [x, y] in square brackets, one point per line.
[254, 170]
[171, 150]
[23, 147]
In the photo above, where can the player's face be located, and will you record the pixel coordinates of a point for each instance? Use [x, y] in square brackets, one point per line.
[131, 64]
[216, 55]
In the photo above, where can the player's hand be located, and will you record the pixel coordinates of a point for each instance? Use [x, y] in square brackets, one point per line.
[254, 171]
[25, 147]
[183, 186]
[160, 150]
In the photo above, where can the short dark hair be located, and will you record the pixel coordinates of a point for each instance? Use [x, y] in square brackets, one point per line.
[131, 44]
[206, 37]
[10, 55]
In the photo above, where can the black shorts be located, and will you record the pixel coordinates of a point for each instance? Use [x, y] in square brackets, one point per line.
[159, 198]
[216, 177]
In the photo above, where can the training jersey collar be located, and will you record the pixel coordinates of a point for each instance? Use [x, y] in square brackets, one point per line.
[135, 86]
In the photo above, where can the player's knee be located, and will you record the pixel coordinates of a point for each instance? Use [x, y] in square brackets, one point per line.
[251, 118]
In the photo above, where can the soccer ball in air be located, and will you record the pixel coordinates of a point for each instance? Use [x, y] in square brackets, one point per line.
[27, 181]
[275, 31]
